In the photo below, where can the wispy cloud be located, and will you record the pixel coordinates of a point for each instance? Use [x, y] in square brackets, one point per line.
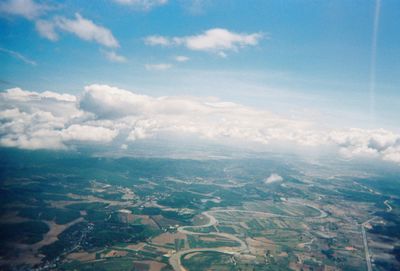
[142, 4]
[217, 40]
[158, 67]
[181, 58]
[113, 56]
[18, 56]
[372, 68]
[196, 7]
[83, 28]
[158, 40]
[28, 9]
[46, 29]
[86, 30]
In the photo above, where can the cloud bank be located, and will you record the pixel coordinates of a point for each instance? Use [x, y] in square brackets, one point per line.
[102, 114]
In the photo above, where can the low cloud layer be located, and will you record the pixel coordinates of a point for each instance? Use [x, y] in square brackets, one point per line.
[103, 114]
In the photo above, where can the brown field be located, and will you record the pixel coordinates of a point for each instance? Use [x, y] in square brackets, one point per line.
[138, 246]
[212, 238]
[154, 266]
[161, 250]
[85, 199]
[116, 253]
[167, 238]
[55, 230]
[164, 222]
[259, 245]
[12, 217]
[141, 266]
[82, 256]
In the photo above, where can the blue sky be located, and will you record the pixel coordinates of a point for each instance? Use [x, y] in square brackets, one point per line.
[307, 60]
[315, 49]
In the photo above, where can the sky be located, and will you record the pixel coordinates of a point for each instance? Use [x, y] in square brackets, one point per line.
[314, 73]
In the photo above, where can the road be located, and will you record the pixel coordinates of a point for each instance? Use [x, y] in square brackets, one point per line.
[365, 241]
[367, 256]
[386, 202]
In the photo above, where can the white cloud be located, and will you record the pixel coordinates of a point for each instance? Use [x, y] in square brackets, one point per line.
[109, 115]
[81, 27]
[216, 40]
[273, 178]
[18, 56]
[138, 133]
[28, 9]
[196, 7]
[157, 40]
[158, 67]
[23, 95]
[33, 130]
[142, 4]
[219, 39]
[113, 56]
[46, 29]
[86, 30]
[88, 133]
[181, 58]
[368, 143]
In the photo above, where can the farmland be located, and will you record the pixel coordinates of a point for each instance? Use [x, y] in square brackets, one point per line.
[80, 213]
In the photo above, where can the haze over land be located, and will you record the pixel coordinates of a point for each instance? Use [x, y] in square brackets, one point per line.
[190, 135]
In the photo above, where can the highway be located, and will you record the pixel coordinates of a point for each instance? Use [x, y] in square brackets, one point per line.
[367, 256]
[365, 241]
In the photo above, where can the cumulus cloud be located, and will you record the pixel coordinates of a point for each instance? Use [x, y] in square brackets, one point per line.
[158, 67]
[370, 143]
[216, 40]
[103, 114]
[88, 133]
[142, 4]
[18, 56]
[28, 9]
[46, 120]
[273, 178]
